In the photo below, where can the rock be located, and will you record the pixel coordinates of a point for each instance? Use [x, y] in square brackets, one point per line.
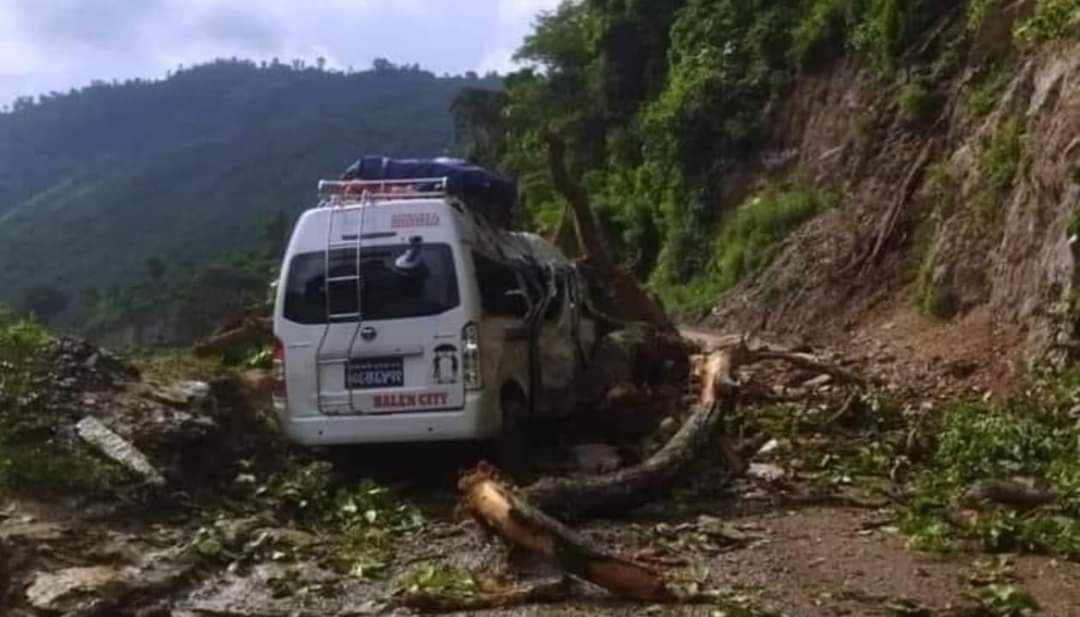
[92, 431]
[596, 458]
[196, 392]
[73, 588]
[770, 446]
[35, 532]
[77, 589]
[765, 472]
[817, 382]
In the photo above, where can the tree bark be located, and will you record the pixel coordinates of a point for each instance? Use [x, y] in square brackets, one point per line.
[624, 296]
[497, 508]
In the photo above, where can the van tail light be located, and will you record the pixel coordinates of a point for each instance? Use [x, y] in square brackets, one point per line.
[470, 357]
[278, 387]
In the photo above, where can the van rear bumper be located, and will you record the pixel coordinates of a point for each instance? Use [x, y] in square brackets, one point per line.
[473, 422]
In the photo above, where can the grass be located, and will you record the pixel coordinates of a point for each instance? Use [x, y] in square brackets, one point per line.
[1052, 20]
[998, 164]
[985, 94]
[748, 239]
[940, 191]
[917, 102]
[1031, 435]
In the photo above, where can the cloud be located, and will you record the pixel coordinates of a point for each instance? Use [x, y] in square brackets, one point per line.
[57, 44]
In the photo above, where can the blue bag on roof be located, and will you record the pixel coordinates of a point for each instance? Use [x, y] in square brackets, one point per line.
[494, 196]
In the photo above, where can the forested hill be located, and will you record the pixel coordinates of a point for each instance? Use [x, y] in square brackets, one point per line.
[98, 182]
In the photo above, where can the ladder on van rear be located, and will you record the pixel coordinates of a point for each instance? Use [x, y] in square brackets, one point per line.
[336, 196]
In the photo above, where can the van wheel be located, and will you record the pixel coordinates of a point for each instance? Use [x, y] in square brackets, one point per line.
[511, 447]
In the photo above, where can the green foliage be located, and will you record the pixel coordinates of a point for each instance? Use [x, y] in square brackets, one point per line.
[998, 165]
[32, 459]
[438, 579]
[1006, 601]
[917, 101]
[986, 93]
[940, 191]
[747, 242]
[1052, 19]
[821, 33]
[1032, 435]
[44, 301]
[23, 343]
[364, 517]
[977, 11]
[888, 28]
[200, 166]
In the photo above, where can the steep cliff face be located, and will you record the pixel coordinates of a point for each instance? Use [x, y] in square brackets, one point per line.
[958, 196]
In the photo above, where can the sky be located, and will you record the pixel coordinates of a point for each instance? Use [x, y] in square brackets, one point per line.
[48, 45]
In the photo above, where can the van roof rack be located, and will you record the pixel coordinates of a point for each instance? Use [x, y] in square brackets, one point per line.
[340, 192]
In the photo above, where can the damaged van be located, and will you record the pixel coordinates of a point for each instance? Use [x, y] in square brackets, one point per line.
[407, 311]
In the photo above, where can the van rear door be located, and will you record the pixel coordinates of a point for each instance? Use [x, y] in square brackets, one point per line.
[388, 324]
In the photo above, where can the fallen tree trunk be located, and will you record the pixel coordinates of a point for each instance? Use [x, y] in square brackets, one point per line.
[497, 508]
[252, 331]
[572, 498]
[624, 297]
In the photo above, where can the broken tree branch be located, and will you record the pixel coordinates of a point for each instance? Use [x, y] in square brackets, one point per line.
[810, 363]
[539, 593]
[624, 296]
[572, 498]
[251, 331]
[497, 508]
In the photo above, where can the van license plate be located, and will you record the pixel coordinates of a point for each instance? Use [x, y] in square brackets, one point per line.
[371, 373]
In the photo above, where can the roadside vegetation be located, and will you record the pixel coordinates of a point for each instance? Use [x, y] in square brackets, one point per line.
[33, 457]
[749, 237]
[663, 101]
[1032, 439]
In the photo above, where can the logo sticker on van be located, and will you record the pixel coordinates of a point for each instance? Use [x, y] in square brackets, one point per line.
[444, 369]
[406, 401]
[414, 219]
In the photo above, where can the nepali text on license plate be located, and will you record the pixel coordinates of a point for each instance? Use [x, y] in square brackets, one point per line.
[370, 373]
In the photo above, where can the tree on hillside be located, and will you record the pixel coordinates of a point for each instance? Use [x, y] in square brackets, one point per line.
[155, 267]
[45, 302]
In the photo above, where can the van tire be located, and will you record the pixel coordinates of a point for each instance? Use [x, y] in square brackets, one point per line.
[511, 446]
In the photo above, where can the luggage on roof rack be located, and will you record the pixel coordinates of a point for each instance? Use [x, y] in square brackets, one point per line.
[493, 196]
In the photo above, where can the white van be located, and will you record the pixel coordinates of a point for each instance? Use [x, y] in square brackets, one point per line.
[402, 314]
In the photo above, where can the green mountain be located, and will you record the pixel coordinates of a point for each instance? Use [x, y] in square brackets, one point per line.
[98, 182]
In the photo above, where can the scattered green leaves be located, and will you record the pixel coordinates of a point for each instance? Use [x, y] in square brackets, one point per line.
[1031, 435]
[1006, 601]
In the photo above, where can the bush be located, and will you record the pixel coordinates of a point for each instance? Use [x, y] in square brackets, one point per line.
[821, 33]
[999, 163]
[22, 343]
[1053, 19]
[917, 102]
[747, 241]
[985, 94]
[888, 28]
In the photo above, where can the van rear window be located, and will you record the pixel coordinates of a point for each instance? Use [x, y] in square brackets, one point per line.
[394, 284]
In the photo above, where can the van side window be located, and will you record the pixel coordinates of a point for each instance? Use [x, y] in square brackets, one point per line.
[500, 291]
